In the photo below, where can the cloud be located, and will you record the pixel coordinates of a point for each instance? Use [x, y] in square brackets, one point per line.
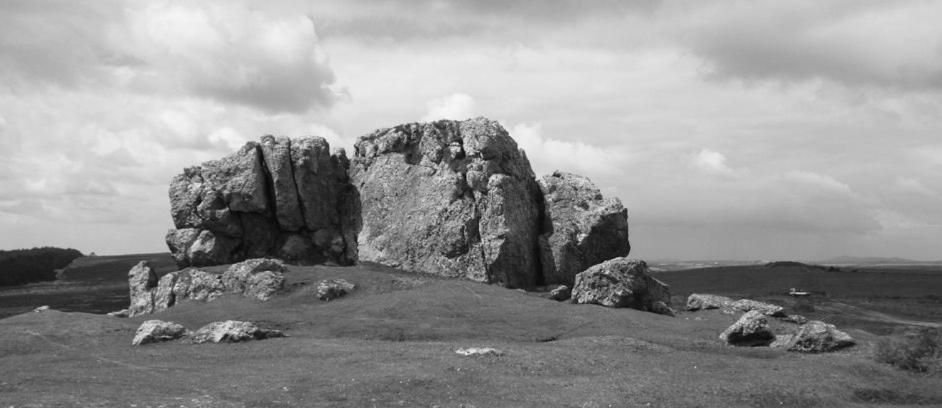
[891, 45]
[914, 186]
[714, 162]
[547, 155]
[457, 106]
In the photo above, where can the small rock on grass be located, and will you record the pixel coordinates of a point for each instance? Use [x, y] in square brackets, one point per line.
[329, 289]
[560, 293]
[752, 329]
[119, 313]
[152, 331]
[479, 351]
[232, 331]
[41, 309]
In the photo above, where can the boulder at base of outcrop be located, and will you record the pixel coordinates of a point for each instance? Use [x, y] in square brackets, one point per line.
[188, 284]
[456, 199]
[256, 278]
[152, 331]
[752, 329]
[330, 289]
[142, 280]
[560, 293]
[280, 197]
[581, 229]
[814, 337]
[232, 331]
[621, 282]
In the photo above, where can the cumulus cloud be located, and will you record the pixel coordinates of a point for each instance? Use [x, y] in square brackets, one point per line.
[547, 154]
[456, 106]
[713, 162]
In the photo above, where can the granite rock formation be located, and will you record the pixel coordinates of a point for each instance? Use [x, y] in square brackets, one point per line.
[278, 197]
[622, 282]
[581, 229]
[752, 329]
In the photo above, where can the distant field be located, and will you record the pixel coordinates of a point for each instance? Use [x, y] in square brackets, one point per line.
[854, 296]
[93, 284]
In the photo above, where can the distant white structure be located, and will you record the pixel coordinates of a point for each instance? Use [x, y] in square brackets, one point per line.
[796, 292]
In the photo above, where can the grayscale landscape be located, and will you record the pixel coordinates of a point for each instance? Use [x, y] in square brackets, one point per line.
[444, 203]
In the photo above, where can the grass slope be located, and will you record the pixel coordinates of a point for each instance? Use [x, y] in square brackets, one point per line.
[392, 343]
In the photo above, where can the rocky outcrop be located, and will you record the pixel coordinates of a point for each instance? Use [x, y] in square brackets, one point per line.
[451, 198]
[581, 228]
[232, 331]
[752, 329]
[457, 199]
[330, 289]
[280, 197]
[622, 282]
[814, 337]
[152, 331]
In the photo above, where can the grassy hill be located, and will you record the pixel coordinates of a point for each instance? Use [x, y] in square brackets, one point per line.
[392, 343]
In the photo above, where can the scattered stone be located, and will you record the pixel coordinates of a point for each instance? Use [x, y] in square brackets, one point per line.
[142, 279]
[752, 329]
[480, 351]
[768, 309]
[560, 293]
[621, 282]
[152, 331]
[263, 285]
[582, 227]
[702, 301]
[119, 313]
[330, 289]
[41, 309]
[797, 319]
[814, 337]
[455, 199]
[232, 331]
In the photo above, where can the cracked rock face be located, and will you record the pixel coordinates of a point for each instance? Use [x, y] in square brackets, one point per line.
[582, 228]
[457, 199]
[280, 197]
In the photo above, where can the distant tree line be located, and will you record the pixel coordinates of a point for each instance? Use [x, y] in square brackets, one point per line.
[21, 266]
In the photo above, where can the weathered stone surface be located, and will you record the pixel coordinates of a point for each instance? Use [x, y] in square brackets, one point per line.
[768, 309]
[277, 154]
[251, 203]
[582, 228]
[236, 277]
[621, 282]
[142, 279]
[451, 198]
[152, 331]
[797, 319]
[702, 301]
[232, 331]
[264, 285]
[814, 337]
[560, 293]
[330, 289]
[752, 329]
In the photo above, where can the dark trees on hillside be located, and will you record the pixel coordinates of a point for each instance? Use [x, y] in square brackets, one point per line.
[21, 266]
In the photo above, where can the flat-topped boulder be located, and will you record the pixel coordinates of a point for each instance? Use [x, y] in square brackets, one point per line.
[622, 282]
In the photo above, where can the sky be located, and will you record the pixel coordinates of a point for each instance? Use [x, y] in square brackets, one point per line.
[729, 129]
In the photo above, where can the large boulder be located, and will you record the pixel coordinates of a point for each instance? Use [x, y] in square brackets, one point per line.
[263, 200]
[457, 199]
[581, 229]
[142, 280]
[814, 337]
[232, 331]
[152, 331]
[752, 329]
[622, 282]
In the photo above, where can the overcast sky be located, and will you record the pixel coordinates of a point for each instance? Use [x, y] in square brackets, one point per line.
[729, 129]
